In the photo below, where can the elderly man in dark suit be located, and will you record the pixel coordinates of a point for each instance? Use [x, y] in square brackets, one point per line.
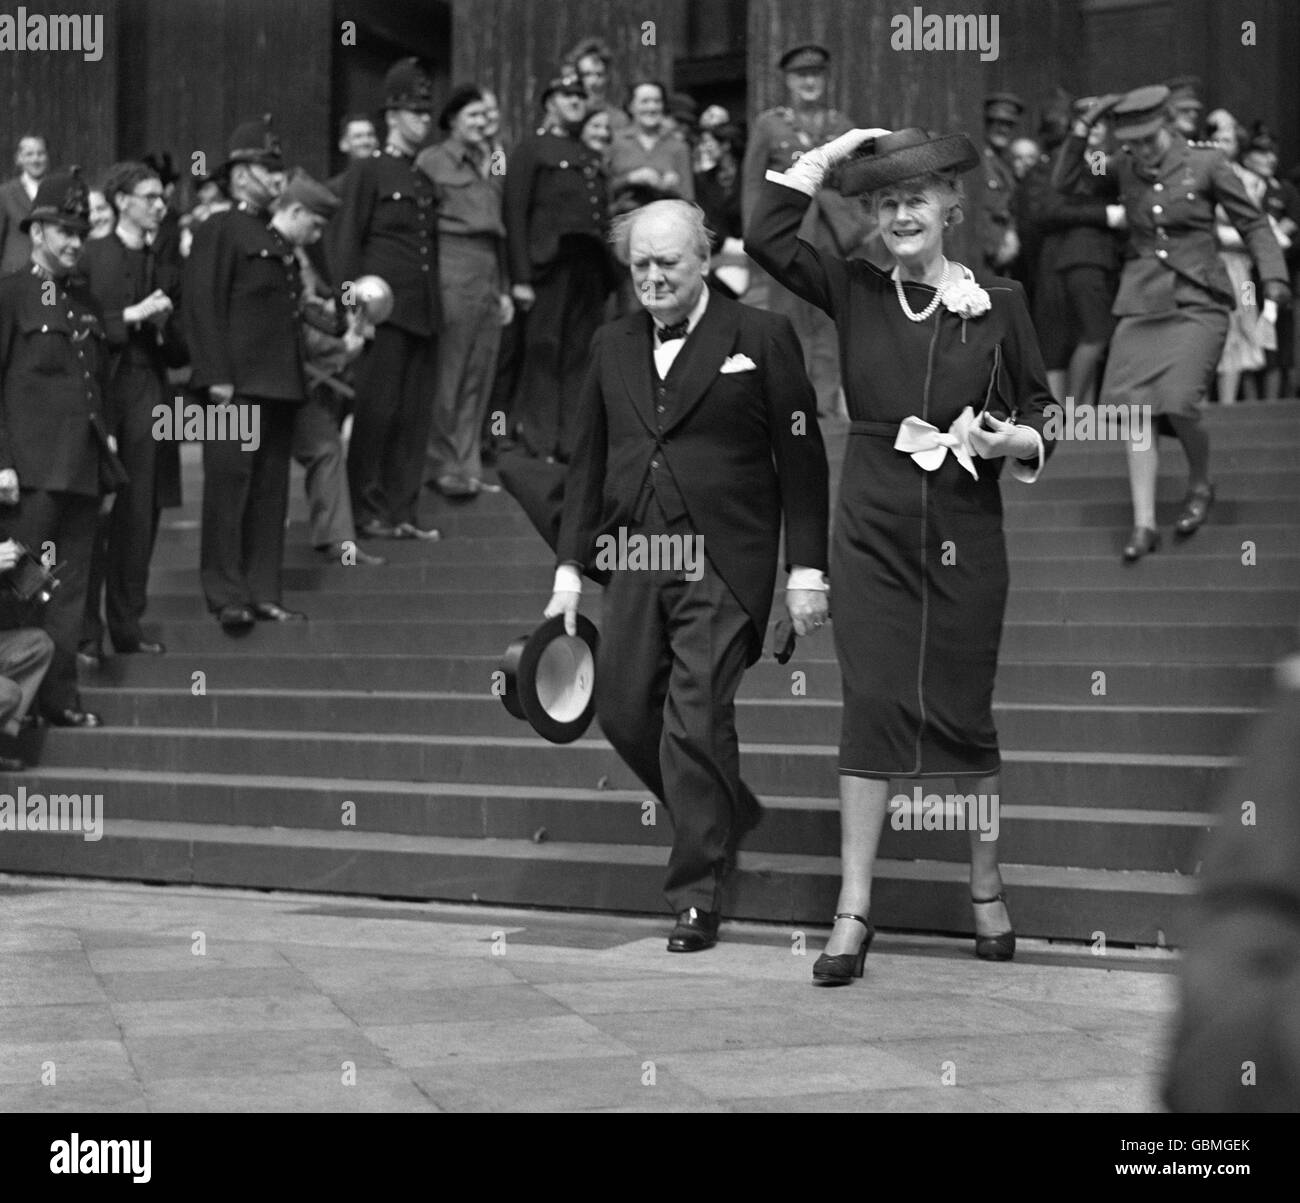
[53, 364]
[699, 433]
[16, 196]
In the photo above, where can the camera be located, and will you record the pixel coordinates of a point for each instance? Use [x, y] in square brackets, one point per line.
[28, 579]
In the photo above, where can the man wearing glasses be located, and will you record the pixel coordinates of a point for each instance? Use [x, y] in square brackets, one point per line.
[120, 273]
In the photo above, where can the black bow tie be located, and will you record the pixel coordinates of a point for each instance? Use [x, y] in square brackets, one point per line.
[666, 334]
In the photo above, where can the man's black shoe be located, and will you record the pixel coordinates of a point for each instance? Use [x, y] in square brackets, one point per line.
[408, 530]
[235, 620]
[90, 655]
[140, 647]
[696, 930]
[274, 612]
[72, 717]
[375, 529]
[9, 765]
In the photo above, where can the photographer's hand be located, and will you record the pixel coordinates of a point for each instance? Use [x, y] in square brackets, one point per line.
[8, 555]
[8, 486]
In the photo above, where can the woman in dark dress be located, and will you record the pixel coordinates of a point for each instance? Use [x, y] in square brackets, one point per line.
[943, 379]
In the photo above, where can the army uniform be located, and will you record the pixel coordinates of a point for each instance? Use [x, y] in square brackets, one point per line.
[555, 205]
[387, 226]
[53, 375]
[833, 223]
[241, 296]
[1174, 293]
[995, 187]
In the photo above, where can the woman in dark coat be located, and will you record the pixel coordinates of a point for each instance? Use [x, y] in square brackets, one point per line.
[943, 378]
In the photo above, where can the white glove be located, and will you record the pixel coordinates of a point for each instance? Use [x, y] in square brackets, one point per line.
[1269, 312]
[811, 168]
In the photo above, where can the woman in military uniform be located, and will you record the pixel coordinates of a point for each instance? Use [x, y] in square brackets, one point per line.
[1174, 295]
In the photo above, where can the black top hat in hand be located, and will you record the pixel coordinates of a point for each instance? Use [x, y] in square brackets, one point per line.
[550, 679]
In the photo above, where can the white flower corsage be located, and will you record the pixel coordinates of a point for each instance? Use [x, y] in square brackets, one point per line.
[966, 299]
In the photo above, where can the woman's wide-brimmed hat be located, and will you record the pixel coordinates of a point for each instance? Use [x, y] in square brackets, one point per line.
[903, 155]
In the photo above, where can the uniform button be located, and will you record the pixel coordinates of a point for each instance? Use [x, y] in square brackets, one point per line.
[654, 463]
[1162, 253]
[1158, 187]
[564, 162]
[424, 267]
[1157, 209]
[660, 408]
[45, 329]
[1191, 196]
[1161, 233]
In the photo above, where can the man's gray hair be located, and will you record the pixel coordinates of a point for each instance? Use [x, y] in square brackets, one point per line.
[688, 213]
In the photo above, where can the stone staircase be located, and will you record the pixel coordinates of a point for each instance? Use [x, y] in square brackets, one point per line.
[384, 701]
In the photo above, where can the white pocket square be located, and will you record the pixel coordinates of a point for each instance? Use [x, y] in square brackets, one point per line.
[738, 363]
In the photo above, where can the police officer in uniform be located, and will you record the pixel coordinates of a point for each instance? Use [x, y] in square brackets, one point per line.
[833, 223]
[242, 292]
[559, 267]
[1174, 293]
[387, 226]
[53, 439]
[995, 227]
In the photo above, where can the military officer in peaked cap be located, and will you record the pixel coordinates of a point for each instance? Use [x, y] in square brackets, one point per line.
[1185, 105]
[1174, 293]
[241, 304]
[54, 442]
[560, 269]
[388, 226]
[997, 241]
[780, 136]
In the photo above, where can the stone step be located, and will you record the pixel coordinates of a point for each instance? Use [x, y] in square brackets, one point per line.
[806, 770]
[1133, 729]
[1062, 682]
[1064, 903]
[1076, 605]
[1108, 643]
[1086, 836]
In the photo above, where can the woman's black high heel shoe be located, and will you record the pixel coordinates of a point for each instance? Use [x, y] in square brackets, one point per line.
[841, 969]
[1141, 542]
[1001, 947]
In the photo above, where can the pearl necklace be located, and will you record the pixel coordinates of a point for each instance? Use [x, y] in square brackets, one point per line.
[932, 306]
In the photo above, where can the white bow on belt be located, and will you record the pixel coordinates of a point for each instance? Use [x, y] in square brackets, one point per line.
[927, 444]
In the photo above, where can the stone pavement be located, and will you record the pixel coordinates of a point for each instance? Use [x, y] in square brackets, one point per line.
[123, 997]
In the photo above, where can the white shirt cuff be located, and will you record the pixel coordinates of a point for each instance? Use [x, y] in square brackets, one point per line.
[1023, 472]
[567, 580]
[807, 578]
[798, 183]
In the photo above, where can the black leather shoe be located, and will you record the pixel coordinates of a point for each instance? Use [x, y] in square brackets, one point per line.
[141, 647]
[843, 967]
[235, 620]
[375, 529]
[344, 555]
[72, 717]
[274, 612]
[10, 765]
[1196, 506]
[408, 530]
[1000, 947]
[91, 656]
[696, 930]
[1141, 542]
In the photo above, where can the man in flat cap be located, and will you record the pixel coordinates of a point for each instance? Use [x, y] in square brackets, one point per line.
[780, 136]
[559, 267]
[241, 297]
[993, 189]
[388, 227]
[53, 437]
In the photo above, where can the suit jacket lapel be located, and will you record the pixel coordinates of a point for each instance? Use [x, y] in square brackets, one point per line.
[709, 345]
[637, 364]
